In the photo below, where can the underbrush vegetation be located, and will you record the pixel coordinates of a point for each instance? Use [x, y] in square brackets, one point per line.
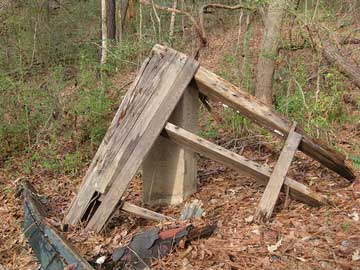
[56, 102]
[319, 109]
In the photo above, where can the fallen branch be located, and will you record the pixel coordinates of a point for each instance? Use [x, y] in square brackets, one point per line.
[204, 8]
[333, 55]
[350, 41]
[295, 47]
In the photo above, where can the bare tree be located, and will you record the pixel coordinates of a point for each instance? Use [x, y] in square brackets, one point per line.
[110, 19]
[122, 11]
[104, 33]
[108, 26]
[269, 51]
[172, 21]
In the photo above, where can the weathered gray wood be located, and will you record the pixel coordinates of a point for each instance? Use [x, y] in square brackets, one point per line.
[90, 183]
[144, 213]
[277, 178]
[216, 88]
[138, 122]
[169, 173]
[259, 172]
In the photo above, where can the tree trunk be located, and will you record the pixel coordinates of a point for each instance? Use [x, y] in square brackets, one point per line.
[269, 51]
[172, 20]
[122, 11]
[110, 19]
[104, 33]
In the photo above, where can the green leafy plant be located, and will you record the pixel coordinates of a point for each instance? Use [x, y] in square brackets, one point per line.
[72, 163]
[346, 226]
[356, 161]
[235, 122]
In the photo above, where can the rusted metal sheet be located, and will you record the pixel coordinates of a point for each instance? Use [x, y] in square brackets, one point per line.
[49, 246]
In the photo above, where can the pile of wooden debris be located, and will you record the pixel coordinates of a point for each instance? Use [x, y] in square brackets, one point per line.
[142, 117]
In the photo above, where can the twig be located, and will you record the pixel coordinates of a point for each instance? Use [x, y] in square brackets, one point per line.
[316, 9]
[140, 22]
[172, 20]
[204, 8]
[187, 14]
[157, 17]
[317, 83]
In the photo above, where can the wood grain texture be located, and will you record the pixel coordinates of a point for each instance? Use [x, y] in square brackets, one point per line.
[277, 178]
[217, 88]
[144, 213]
[138, 122]
[259, 172]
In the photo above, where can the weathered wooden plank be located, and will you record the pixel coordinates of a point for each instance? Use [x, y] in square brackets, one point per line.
[91, 183]
[50, 247]
[259, 172]
[144, 213]
[216, 88]
[169, 88]
[277, 178]
[139, 122]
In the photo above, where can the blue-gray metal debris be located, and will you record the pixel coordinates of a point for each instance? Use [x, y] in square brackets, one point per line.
[155, 244]
[49, 246]
[148, 245]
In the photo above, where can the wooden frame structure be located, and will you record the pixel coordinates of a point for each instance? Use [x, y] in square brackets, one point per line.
[143, 116]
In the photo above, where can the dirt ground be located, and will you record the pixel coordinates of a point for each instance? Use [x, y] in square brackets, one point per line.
[298, 236]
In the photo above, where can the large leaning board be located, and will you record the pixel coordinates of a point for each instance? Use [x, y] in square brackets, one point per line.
[140, 119]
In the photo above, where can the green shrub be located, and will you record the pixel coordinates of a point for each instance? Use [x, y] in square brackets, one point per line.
[356, 161]
[234, 122]
[72, 163]
[316, 110]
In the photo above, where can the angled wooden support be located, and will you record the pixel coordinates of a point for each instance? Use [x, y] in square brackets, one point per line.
[277, 178]
[217, 88]
[144, 213]
[140, 119]
[259, 172]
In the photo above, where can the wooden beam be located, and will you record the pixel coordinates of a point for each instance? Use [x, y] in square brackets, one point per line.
[259, 172]
[217, 88]
[139, 121]
[277, 178]
[144, 213]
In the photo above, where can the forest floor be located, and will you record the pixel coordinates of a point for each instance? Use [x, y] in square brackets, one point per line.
[298, 236]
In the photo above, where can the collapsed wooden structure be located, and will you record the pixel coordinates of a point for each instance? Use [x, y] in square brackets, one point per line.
[142, 117]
